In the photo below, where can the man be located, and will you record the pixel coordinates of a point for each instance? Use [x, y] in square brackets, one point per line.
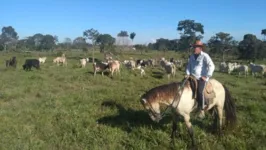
[201, 66]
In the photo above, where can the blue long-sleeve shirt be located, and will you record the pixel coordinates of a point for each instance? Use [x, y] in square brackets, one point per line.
[202, 66]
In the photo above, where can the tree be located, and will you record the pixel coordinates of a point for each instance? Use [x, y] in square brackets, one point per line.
[122, 39]
[221, 43]
[79, 42]
[261, 53]
[8, 37]
[91, 35]
[67, 42]
[248, 47]
[132, 36]
[140, 48]
[263, 32]
[190, 32]
[105, 40]
[48, 42]
[162, 44]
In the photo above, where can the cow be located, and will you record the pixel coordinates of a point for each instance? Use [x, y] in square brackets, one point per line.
[169, 67]
[242, 69]
[131, 64]
[139, 62]
[99, 67]
[151, 62]
[178, 63]
[223, 67]
[114, 66]
[256, 69]
[231, 67]
[29, 63]
[142, 71]
[83, 62]
[42, 59]
[12, 62]
[59, 60]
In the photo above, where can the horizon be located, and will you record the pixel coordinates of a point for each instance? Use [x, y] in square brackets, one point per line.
[148, 19]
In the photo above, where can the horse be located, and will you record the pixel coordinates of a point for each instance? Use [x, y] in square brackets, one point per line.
[180, 97]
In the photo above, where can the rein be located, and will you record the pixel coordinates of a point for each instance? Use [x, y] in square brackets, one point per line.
[164, 113]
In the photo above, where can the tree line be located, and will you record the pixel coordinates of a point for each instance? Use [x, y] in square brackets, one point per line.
[9, 40]
[220, 44]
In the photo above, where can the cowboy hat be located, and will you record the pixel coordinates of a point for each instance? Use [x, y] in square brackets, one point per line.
[198, 43]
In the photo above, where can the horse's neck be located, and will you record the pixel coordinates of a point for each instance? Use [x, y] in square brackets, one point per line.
[170, 102]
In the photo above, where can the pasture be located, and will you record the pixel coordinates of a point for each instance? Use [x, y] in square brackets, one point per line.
[66, 107]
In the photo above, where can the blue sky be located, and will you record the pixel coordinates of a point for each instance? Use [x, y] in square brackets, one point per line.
[149, 19]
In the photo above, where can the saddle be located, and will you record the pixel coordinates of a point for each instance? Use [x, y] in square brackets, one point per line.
[209, 93]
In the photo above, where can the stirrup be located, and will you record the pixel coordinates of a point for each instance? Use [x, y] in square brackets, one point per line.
[201, 114]
[205, 108]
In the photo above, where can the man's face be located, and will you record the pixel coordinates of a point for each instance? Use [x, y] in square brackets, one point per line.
[197, 50]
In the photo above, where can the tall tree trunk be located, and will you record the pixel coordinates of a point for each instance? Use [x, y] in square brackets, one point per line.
[93, 47]
[223, 56]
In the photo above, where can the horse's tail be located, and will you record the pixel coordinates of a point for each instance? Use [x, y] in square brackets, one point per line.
[230, 108]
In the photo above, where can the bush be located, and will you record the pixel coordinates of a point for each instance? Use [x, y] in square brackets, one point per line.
[85, 49]
[59, 53]
[1, 48]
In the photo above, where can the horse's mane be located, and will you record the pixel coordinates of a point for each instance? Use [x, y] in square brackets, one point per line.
[162, 92]
[168, 91]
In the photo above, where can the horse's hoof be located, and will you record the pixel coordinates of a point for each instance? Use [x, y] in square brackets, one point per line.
[194, 148]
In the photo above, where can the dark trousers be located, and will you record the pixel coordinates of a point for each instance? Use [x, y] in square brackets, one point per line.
[201, 86]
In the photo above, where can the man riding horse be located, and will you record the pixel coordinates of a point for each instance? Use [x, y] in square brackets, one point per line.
[200, 66]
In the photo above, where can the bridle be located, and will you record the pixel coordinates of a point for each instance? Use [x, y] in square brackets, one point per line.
[176, 99]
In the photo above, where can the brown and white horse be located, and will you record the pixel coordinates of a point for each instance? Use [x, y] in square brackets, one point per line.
[180, 97]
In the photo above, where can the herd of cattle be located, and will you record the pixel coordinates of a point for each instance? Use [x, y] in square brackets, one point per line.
[244, 69]
[114, 66]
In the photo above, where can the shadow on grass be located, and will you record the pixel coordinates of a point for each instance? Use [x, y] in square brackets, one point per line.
[99, 73]
[128, 119]
[157, 74]
[74, 57]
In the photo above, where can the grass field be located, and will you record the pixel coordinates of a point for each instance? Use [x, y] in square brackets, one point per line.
[66, 108]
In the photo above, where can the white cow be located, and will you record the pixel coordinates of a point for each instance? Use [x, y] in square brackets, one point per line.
[257, 69]
[42, 60]
[231, 67]
[170, 69]
[242, 69]
[142, 71]
[131, 64]
[223, 67]
[83, 62]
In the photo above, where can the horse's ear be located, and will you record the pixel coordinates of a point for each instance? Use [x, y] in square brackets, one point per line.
[144, 100]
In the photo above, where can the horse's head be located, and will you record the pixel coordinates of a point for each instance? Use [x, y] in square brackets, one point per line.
[152, 108]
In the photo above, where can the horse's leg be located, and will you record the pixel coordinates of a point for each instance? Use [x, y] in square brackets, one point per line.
[190, 129]
[174, 127]
[220, 114]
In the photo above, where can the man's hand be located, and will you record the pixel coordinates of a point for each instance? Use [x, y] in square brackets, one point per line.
[204, 78]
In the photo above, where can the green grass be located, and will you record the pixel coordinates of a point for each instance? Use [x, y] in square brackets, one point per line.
[67, 108]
